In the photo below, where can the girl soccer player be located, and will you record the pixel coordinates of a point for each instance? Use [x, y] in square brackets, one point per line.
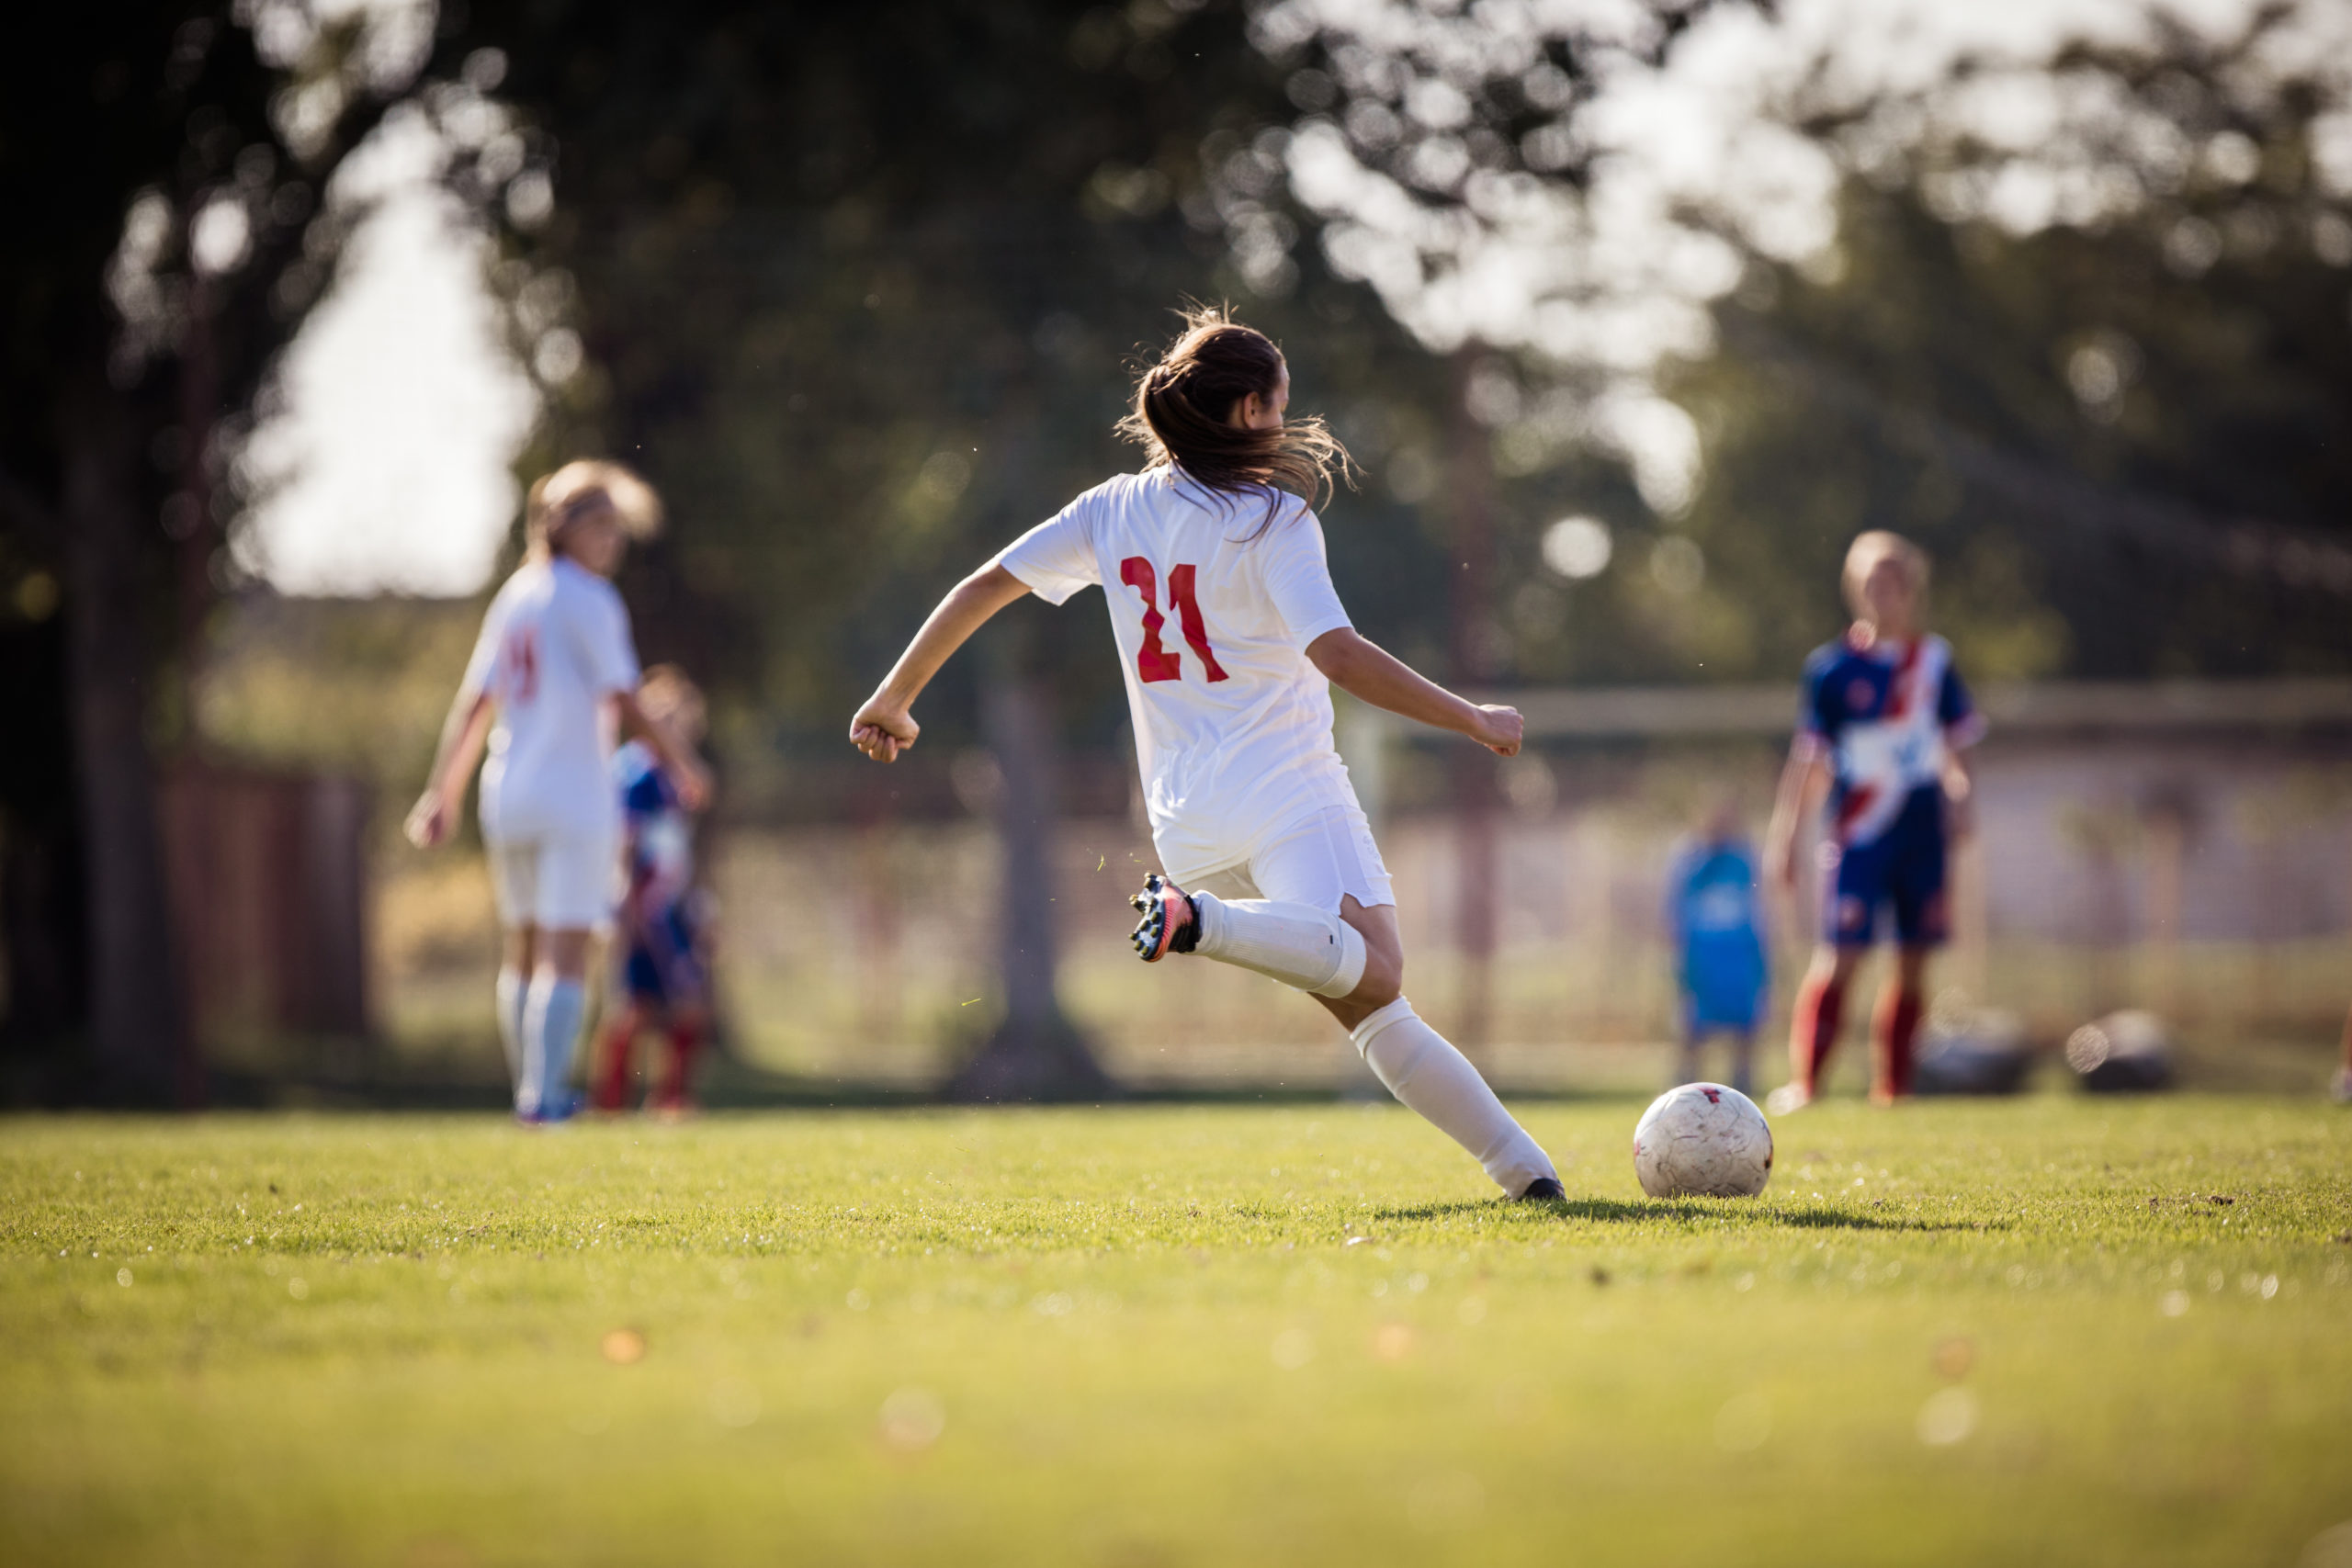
[1229, 634]
[553, 670]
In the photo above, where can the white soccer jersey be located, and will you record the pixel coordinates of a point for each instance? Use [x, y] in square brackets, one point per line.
[1233, 724]
[555, 645]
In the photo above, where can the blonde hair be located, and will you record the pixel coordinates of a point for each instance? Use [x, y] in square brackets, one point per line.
[666, 691]
[1873, 547]
[573, 491]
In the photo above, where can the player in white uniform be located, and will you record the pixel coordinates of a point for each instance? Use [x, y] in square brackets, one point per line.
[552, 677]
[1229, 635]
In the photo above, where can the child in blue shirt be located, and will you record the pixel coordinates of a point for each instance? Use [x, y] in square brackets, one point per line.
[1714, 921]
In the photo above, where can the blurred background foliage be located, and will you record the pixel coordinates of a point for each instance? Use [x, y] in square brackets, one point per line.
[860, 287]
[863, 287]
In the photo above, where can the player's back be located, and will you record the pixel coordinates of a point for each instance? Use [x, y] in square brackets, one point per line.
[1214, 603]
[555, 644]
[1199, 586]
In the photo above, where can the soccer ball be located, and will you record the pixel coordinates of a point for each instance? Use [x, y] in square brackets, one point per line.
[1703, 1139]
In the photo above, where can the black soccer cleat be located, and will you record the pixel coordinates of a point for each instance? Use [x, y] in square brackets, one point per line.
[1168, 925]
[1542, 1190]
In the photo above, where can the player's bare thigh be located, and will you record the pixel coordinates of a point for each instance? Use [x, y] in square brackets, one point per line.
[1835, 964]
[563, 950]
[1384, 964]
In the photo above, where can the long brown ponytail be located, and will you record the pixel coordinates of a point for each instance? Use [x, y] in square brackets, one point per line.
[1182, 404]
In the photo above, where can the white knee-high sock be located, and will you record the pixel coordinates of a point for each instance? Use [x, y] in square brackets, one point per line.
[550, 1025]
[511, 995]
[1296, 943]
[1422, 1069]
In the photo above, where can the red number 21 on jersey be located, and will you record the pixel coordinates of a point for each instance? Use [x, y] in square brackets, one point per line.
[1154, 662]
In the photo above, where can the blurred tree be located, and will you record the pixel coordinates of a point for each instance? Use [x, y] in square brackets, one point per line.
[2074, 313]
[163, 164]
[2125, 438]
[857, 285]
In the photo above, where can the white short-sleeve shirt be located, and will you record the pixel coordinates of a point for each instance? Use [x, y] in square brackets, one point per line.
[1213, 617]
[555, 645]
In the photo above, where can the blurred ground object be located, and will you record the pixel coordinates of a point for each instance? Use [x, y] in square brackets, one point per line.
[940, 1326]
[1977, 1051]
[2124, 1053]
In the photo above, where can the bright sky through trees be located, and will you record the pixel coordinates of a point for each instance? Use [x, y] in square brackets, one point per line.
[1693, 160]
[385, 464]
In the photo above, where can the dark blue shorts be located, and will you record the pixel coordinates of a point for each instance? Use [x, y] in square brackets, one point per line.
[660, 965]
[1902, 868]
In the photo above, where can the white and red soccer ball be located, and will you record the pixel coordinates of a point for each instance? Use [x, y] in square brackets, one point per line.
[1702, 1140]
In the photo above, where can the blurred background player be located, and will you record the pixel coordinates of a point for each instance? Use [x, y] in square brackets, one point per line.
[1882, 727]
[1230, 637]
[1716, 928]
[2342, 1090]
[553, 675]
[662, 973]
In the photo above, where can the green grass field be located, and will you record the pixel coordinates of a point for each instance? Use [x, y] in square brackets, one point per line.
[2053, 1330]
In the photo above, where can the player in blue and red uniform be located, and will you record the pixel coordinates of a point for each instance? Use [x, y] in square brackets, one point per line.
[1883, 727]
[661, 975]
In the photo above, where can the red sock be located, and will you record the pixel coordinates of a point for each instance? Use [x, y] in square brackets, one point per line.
[1895, 1029]
[1813, 1030]
[684, 1039]
[612, 1089]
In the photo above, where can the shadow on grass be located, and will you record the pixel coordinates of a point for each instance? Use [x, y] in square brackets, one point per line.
[1689, 1213]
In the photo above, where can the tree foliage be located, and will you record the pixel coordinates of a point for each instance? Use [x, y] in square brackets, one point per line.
[861, 288]
[2066, 298]
[165, 163]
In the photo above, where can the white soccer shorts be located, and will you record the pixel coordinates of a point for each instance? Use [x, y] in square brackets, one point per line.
[1322, 859]
[556, 882]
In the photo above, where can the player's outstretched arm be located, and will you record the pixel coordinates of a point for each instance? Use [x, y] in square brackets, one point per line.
[885, 726]
[1369, 674]
[463, 735]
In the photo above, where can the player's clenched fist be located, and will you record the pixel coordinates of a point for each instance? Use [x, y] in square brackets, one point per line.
[1500, 730]
[882, 731]
[428, 820]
